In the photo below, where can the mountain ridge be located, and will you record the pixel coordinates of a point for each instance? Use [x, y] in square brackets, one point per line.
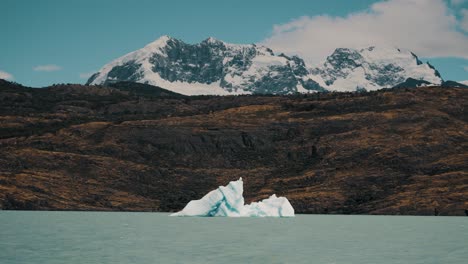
[373, 68]
[219, 68]
[208, 67]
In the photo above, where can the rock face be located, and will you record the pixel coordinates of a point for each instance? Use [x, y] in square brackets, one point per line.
[72, 147]
[454, 84]
[373, 68]
[210, 67]
[219, 68]
[411, 83]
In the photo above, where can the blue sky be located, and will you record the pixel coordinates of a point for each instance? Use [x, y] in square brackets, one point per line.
[56, 41]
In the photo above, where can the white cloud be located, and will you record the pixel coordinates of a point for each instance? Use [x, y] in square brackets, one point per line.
[6, 76]
[464, 82]
[457, 2]
[464, 20]
[86, 75]
[47, 68]
[426, 27]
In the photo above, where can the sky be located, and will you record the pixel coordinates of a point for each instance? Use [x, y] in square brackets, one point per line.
[65, 41]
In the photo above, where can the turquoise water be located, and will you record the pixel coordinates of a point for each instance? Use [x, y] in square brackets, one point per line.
[90, 237]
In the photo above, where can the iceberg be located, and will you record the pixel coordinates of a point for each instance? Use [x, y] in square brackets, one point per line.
[229, 201]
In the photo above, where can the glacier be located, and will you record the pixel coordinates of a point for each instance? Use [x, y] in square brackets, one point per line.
[229, 201]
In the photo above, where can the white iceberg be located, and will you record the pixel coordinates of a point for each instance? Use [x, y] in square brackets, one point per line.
[228, 201]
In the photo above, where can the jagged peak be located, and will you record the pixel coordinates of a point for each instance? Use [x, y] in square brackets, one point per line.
[375, 48]
[164, 38]
[370, 49]
[372, 67]
[338, 50]
[212, 40]
[377, 52]
[161, 41]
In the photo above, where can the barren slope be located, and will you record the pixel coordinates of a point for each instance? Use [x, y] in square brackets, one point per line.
[400, 151]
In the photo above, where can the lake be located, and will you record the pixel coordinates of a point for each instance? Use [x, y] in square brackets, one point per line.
[98, 237]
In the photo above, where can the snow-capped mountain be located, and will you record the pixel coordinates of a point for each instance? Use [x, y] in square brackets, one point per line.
[464, 82]
[372, 68]
[209, 67]
[219, 68]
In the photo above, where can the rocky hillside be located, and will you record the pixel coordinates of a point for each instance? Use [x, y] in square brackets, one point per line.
[218, 68]
[73, 147]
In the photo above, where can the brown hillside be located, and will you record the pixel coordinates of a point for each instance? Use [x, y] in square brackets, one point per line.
[71, 147]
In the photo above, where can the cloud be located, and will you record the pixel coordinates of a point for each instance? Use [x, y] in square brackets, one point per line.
[86, 75]
[464, 20]
[427, 27]
[6, 76]
[465, 68]
[47, 68]
[457, 2]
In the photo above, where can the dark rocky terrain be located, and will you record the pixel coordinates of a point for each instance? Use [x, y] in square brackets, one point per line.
[140, 148]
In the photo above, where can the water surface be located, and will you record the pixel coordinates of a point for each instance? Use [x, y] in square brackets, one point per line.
[91, 237]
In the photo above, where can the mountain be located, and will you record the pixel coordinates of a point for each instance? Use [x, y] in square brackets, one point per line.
[454, 84]
[209, 67]
[76, 147]
[219, 68]
[372, 68]
[411, 83]
[464, 82]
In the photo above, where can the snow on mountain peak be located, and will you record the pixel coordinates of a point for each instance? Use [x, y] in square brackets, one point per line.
[372, 68]
[209, 67]
[216, 67]
[212, 40]
[160, 42]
